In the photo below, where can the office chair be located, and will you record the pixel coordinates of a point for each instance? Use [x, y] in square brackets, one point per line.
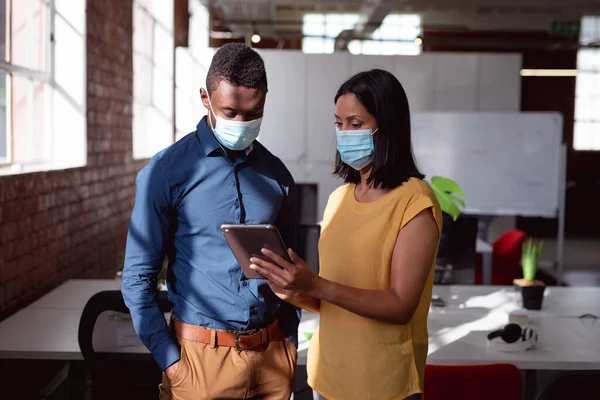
[506, 258]
[472, 382]
[116, 375]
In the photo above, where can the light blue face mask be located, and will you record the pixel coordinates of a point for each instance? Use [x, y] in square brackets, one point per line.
[235, 135]
[356, 147]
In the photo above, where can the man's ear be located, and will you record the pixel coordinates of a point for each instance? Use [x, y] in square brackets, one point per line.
[204, 98]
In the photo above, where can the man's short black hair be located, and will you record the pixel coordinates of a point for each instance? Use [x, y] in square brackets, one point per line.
[383, 96]
[239, 65]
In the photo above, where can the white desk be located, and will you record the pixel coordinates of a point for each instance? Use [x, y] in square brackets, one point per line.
[48, 328]
[75, 293]
[564, 343]
[558, 301]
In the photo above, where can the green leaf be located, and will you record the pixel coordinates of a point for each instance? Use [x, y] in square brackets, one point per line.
[446, 185]
[457, 200]
[532, 249]
[446, 203]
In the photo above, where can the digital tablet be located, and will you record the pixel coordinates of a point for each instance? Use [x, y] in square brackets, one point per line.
[246, 241]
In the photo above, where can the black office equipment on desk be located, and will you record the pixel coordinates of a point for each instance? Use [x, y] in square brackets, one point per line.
[459, 248]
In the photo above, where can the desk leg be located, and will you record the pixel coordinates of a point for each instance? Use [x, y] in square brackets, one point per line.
[487, 268]
[529, 377]
[77, 380]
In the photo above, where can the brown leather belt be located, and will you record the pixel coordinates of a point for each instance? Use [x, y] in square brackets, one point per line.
[256, 339]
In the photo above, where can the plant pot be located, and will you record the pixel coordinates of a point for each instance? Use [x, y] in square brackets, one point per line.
[533, 296]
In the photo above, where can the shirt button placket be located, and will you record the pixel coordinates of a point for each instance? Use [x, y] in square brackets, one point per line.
[238, 213]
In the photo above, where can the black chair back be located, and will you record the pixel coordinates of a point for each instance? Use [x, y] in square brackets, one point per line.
[116, 375]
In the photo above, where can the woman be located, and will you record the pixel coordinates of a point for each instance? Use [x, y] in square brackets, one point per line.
[378, 244]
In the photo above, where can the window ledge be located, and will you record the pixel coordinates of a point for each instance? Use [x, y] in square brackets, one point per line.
[18, 169]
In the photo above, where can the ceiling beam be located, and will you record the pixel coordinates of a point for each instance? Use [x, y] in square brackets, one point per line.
[371, 15]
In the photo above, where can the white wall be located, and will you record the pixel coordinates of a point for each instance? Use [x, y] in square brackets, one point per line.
[298, 123]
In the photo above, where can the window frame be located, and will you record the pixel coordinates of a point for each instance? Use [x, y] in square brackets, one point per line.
[594, 94]
[46, 77]
[155, 69]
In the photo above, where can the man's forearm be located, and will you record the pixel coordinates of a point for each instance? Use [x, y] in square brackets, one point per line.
[149, 321]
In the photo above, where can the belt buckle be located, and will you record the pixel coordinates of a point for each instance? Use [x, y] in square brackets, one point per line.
[240, 334]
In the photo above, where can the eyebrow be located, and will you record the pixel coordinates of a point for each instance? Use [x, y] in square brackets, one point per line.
[353, 116]
[254, 110]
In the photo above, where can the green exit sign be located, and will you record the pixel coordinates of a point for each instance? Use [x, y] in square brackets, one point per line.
[565, 28]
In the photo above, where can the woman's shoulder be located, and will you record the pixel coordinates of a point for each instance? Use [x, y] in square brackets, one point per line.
[417, 196]
[414, 188]
[340, 192]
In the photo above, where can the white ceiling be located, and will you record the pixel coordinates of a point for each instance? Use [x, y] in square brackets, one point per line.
[284, 17]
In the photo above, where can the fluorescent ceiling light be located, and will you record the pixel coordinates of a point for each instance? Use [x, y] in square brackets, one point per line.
[548, 72]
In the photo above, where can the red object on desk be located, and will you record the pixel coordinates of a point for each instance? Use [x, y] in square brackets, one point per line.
[472, 382]
[506, 259]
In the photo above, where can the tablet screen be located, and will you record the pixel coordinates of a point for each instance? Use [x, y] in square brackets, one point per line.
[246, 241]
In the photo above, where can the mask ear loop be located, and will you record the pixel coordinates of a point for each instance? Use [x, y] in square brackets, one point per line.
[210, 121]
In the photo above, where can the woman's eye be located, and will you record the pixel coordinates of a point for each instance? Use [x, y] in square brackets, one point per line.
[356, 126]
[338, 124]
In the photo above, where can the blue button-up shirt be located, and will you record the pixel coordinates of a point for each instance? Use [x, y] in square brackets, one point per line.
[183, 196]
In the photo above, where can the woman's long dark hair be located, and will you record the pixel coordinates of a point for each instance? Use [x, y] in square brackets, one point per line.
[383, 96]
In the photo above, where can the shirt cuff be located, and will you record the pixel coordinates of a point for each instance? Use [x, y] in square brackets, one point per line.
[167, 354]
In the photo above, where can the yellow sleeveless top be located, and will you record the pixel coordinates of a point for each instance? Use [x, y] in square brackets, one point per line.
[351, 357]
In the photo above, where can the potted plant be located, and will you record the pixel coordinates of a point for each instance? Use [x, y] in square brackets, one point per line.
[532, 290]
[447, 193]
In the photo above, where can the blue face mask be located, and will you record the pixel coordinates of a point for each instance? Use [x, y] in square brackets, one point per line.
[356, 147]
[234, 135]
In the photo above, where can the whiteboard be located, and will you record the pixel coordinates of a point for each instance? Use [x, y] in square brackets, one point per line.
[506, 163]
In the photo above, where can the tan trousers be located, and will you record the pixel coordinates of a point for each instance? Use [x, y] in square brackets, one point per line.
[206, 372]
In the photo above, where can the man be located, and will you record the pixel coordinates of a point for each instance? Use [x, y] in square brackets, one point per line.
[230, 337]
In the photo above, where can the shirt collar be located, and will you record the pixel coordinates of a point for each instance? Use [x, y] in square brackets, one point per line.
[208, 142]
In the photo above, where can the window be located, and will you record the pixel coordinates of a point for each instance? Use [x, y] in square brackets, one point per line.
[587, 90]
[153, 71]
[320, 31]
[397, 35]
[42, 85]
[192, 65]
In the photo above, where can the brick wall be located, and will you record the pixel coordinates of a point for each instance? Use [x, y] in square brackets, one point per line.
[59, 225]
